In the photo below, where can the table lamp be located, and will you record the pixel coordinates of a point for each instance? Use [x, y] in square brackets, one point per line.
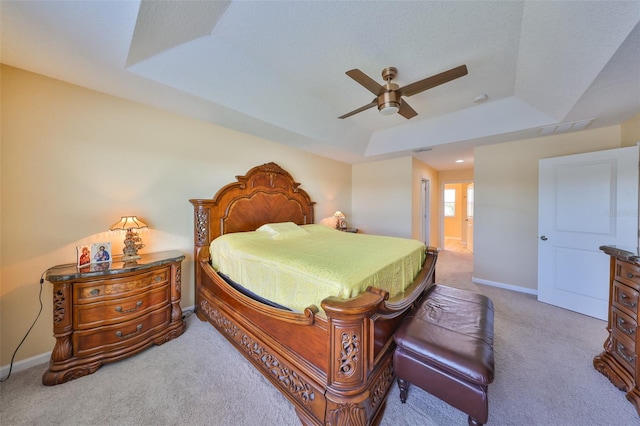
[132, 242]
[341, 222]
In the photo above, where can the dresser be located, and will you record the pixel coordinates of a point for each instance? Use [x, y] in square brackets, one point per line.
[619, 361]
[106, 312]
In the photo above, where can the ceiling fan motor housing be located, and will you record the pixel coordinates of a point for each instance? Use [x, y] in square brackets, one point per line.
[389, 101]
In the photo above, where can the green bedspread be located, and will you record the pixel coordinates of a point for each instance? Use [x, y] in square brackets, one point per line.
[299, 266]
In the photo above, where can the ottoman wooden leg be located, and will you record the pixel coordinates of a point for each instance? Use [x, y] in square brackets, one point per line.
[404, 389]
[473, 422]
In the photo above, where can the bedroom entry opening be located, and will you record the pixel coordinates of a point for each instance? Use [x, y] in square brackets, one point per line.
[457, 216]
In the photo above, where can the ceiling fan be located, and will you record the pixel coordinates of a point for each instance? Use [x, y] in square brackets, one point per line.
[389, 97]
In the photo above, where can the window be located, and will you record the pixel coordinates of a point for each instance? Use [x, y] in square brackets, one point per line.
[449, 202]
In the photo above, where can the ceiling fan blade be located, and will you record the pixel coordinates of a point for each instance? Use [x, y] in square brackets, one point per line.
[366, 81]
[373, 103]
[406, 111]
[433, 81]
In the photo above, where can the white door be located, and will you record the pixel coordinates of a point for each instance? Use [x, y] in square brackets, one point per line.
[585, 201]
[424, 215]
[470, 217]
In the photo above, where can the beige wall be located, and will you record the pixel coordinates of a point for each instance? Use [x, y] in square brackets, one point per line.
[506, 202]
[386, 198]
[630, 131]
[381, 197]
[75, 160]
[458, 175]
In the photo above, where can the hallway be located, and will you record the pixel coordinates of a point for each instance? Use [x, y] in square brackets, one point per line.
[454, 244]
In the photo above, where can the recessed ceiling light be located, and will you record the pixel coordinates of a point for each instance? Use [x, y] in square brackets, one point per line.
[480, 99]
[459, 161]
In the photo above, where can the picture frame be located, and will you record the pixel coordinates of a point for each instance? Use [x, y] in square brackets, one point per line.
[83, 255]
[100, 252]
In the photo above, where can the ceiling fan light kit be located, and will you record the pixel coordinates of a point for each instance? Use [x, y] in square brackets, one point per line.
[389, 97]
[389, 108]
[390, 103]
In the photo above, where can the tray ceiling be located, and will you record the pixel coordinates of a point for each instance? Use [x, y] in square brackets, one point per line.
[276, 69]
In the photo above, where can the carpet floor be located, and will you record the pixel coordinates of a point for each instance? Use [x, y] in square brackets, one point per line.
[544, 376]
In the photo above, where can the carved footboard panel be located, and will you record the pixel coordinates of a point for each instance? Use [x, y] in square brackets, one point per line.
[301, 390]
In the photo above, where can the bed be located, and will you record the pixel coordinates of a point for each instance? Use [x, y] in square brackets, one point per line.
[334, 361]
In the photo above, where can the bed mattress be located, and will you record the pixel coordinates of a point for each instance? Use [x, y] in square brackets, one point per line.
[298, 266]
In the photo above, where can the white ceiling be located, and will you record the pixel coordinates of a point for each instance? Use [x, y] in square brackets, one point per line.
[276, 69]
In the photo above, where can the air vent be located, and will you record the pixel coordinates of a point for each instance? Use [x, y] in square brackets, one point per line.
[566, 127]
[422, 149]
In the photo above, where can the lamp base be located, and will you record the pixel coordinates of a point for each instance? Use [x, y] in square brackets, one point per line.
[132, 243]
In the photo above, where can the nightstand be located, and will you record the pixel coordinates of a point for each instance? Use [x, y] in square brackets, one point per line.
[109, 311]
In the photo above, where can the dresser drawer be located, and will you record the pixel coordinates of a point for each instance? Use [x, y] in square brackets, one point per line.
[118, 287]
[120, 336]
[626, 299]
[119, 310]
[623, 324]
[628, 272]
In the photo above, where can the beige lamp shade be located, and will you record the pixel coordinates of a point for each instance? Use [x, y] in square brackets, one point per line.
[128, 222]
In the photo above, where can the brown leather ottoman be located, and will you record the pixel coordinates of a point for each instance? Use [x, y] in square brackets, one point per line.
[445, 346]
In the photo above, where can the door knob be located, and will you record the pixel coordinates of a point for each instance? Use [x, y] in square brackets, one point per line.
[543, 238]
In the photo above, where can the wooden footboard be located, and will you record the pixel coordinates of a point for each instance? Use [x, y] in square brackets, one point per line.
[336, 370]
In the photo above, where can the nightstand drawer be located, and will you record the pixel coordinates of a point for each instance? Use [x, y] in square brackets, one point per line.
[119, 310]
[625, 298]
[108, 314]
[624, 351]
[119, 336]
[117, 287]
[623, 324]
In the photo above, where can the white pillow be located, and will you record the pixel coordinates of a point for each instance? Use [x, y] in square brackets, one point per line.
[282, 231]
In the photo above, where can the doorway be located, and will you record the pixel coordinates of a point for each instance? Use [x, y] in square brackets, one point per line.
[457, 217]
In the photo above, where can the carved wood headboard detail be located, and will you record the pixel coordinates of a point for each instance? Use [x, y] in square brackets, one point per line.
[266, 194]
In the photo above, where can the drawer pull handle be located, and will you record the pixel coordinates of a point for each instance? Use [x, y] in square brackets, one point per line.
[620, 350]
[94, 292]
[119, 333]
[138, 304]
[622, 297]
[630, 275]
[158, 278]
[628, 331]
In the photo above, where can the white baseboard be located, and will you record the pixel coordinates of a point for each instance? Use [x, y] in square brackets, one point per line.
[188, 310]
[505, 286]
[26, 363]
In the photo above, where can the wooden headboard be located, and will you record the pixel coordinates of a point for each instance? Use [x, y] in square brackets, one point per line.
[266, 194]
